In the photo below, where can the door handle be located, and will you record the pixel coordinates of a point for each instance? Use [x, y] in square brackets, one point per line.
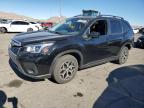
[110, 42]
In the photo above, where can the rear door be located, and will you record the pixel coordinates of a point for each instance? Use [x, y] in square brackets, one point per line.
[19, 26]
[115, 36]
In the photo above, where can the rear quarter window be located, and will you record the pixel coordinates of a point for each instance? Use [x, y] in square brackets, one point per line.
[126, 26]
[115, 26]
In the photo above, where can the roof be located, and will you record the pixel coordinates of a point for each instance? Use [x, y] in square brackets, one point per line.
[99, 16]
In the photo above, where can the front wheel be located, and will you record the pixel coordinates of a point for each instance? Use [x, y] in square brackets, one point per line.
[123, 55]
[3, 30]
[64, 69]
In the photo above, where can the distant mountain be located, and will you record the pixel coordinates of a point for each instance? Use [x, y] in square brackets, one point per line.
[5, 15]
[56, 19]
[137, 26]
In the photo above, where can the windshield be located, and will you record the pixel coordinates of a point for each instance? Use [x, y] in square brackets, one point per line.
[70, 26]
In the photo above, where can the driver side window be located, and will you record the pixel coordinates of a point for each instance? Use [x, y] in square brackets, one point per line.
[99, 26]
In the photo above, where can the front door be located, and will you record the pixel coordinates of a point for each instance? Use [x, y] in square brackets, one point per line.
[97, 46]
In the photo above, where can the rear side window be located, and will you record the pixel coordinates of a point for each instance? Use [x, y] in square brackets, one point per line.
[19, 23]
[24, 23]
[115, 26]
[126, 27]
[99, 26]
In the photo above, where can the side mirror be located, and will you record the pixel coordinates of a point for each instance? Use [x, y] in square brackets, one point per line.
[94, 34]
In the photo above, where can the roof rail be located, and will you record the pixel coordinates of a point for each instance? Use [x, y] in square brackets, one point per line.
[111, 16]
[77, 15]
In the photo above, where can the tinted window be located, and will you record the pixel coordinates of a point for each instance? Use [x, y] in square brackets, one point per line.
[100, 27]
[126, 27]
[115, 26]
[15, 23]
[19, 23]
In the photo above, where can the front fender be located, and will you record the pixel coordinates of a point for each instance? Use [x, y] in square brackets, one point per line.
[71, 51]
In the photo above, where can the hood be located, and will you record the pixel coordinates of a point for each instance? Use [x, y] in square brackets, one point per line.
[32, 37]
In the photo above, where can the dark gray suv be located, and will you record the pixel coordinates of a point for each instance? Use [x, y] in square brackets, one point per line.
[77, 43]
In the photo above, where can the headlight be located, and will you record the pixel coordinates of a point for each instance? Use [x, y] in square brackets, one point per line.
[38, 48]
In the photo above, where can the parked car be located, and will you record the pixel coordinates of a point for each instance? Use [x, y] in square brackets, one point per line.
[141, 30]
[17, 26]
[136, 30]
[46, 25]
[140, 42]
[36, 25]
[77, 43]
[3, 21]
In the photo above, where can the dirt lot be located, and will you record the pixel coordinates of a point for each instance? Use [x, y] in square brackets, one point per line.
[82, 92]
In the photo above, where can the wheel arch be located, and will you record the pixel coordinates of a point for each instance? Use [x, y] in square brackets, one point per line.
[128, 45]
[4, 28]
[76, 53]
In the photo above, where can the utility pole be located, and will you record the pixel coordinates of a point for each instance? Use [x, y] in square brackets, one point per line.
[60, 10]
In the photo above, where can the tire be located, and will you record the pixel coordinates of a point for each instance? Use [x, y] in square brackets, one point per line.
[29, 30]
[123, 55]
[37, 28]
[3, 30]
[64, 69]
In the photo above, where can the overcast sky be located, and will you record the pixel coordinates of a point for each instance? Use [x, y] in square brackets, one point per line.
[132, 10]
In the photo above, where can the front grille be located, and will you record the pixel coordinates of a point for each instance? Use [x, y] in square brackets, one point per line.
[15, 50]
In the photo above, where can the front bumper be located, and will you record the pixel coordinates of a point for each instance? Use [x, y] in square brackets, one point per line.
[29, 66]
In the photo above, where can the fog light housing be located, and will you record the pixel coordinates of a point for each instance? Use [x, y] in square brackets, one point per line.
[30, 68]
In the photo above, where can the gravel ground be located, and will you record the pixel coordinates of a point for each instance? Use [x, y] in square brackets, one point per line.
[82, 92]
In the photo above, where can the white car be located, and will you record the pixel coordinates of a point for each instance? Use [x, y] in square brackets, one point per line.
[18, 26]
[136, 30]
[37, 25]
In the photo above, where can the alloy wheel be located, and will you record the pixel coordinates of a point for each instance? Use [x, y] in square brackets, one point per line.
[67, 69]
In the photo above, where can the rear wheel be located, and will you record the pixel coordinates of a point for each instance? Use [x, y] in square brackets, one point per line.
[64, 69]
[123, 56]
[3, 30]
[37, 28]
[29, 30]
